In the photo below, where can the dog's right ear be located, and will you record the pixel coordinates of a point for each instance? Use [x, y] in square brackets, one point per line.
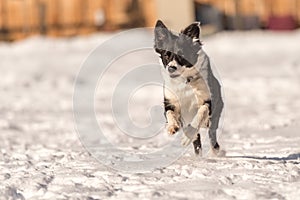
[162, 35]
[192, 31]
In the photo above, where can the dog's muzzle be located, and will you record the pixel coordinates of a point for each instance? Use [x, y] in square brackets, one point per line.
[172, 69]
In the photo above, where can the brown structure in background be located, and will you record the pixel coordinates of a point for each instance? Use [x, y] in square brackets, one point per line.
[262, 8]
[22, 18]
[278, 11]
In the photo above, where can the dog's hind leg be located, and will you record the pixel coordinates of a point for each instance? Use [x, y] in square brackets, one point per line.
[217, 108]
[197, 145]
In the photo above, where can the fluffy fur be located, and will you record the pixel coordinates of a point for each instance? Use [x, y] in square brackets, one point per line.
[192, 94]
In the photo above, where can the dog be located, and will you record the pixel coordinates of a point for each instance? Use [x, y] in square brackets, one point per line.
[192, 94]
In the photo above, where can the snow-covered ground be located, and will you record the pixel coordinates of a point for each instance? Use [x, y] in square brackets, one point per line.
[42, 158]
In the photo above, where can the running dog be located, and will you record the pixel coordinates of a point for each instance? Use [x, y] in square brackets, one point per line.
[192, 94]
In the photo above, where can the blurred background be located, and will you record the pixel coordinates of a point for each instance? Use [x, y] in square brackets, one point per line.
[22, 18]
[254, 45]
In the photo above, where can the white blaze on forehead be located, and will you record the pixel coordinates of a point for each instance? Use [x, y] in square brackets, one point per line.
[173, 63]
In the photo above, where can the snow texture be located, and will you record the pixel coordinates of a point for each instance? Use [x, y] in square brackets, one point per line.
[41, 156]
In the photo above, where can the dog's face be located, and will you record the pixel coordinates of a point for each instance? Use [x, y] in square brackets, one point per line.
[177, 52]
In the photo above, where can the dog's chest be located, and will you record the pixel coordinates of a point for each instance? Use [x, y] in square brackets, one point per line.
[188, 103]
[186, 98]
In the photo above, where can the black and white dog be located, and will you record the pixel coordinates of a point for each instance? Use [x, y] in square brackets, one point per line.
[192, 94]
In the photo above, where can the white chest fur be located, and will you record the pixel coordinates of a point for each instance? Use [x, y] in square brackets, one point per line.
[183, 95]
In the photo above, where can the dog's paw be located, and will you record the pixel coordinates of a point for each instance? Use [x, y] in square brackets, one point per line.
[172, 129]
[186, 141]
[198, 152]
[197, 145]
[190, 131]
[189, 135]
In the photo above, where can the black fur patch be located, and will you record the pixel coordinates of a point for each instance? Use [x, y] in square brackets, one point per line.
[168, 105]
[197, 144]
[209, 106]
[217, 146]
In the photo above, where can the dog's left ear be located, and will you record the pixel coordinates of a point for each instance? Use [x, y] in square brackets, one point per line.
[162, 37]
[192, 31]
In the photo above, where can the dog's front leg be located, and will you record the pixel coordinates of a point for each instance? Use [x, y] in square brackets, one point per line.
[172, 114]
[173, 124]
[192, 129]
[202, 116]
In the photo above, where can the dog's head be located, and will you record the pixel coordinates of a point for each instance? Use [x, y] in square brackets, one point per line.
[177, 52]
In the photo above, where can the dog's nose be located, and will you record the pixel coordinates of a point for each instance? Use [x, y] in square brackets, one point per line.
[172, 69]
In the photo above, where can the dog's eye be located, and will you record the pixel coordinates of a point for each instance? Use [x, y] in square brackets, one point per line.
[167, 54]
[182, 61]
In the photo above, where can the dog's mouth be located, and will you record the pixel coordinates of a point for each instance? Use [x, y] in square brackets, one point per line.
[174, 75]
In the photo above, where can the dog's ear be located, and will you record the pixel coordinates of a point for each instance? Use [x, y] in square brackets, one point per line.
[160, 24]
[162, 35]
[192, 31]
[161, 31]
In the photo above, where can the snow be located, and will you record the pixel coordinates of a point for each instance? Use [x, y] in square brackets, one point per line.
[42, 158]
